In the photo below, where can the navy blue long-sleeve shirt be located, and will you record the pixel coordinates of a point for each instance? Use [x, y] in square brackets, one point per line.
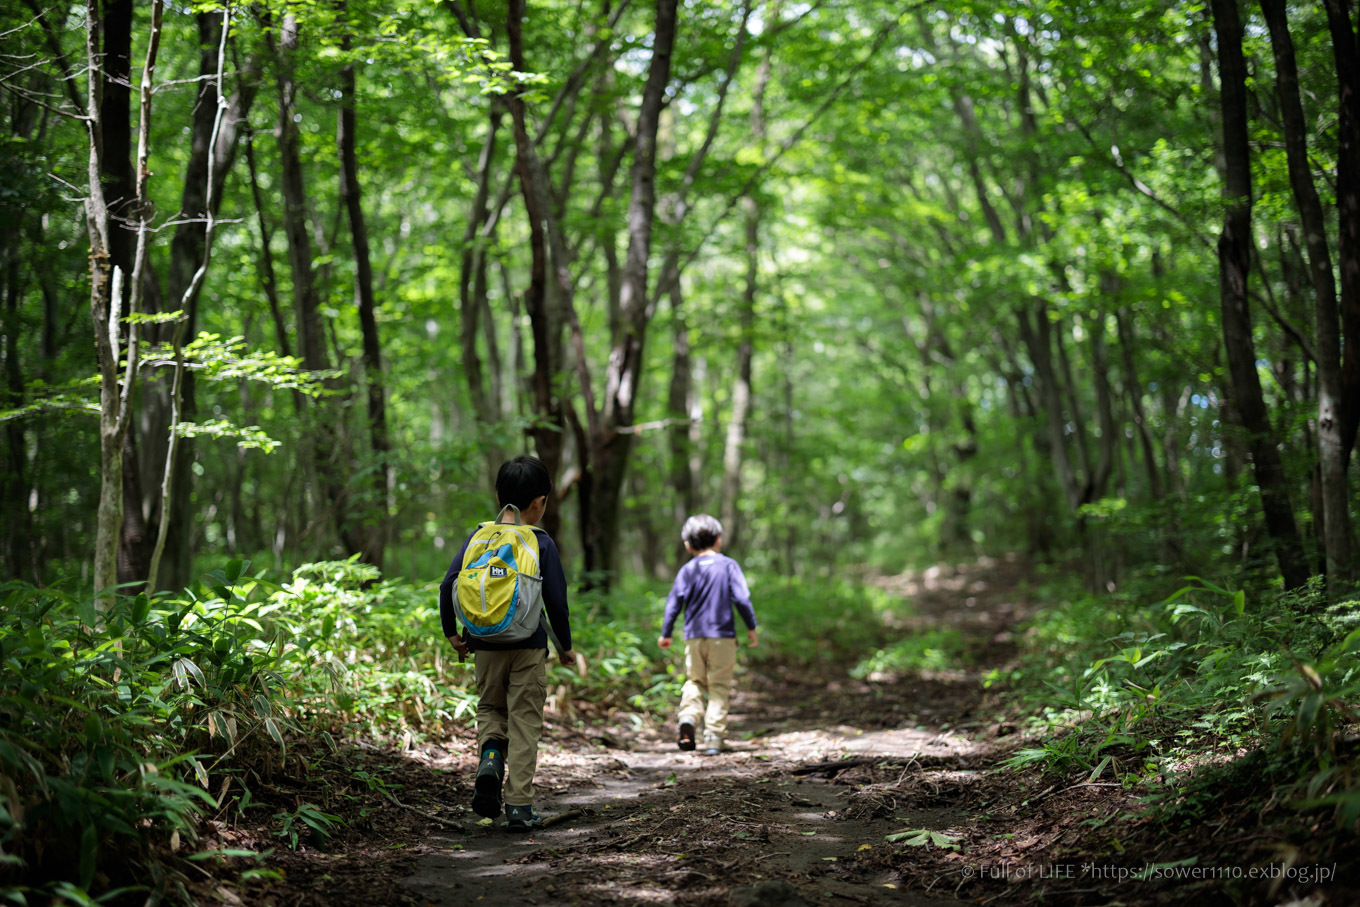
[707, 589]
[554, 600]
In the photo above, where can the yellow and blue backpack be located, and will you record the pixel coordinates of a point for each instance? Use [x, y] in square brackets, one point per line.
[499, 590]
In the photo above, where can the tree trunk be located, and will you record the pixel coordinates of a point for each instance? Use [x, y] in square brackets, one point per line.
[325, 451]
[186, 254]
[1105, 455]
[741, 386]
[115, 116]
[679, 400]
[1332, 444]
[741, 389]
[1101, 569]
[1347, 58]
[1133, 388]
[1067, 387]
[473, 304]
[105, 287]
[1040, 346]
[1234, 253]
[18, 546]
[17, 552]
[375, 520]
[611, 439]
[269, 281]
[544, 324]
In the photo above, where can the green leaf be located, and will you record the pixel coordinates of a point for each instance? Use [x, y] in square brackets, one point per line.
[89, 854]
[103, 754]
[272, 726]
[140, 608]
[154, 317]
[920, 837]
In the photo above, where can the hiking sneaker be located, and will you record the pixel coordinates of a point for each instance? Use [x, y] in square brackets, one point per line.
[486, 789]
[713, 747]
[686, 739]
[521, 818]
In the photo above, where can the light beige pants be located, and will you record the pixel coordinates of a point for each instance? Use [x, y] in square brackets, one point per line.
[511, 689]
[708, 673]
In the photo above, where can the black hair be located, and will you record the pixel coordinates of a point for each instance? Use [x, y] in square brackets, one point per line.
[521, 480]
[701, 532]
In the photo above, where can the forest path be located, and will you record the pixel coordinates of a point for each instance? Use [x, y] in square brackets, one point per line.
[822, 767]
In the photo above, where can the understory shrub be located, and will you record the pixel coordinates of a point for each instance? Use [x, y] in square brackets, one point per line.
[121, 729]
[1132, 686]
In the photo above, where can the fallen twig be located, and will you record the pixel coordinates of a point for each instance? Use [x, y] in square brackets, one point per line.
[561, 817]
[440, 820]
[835, 766]
[1075, 786]
[914, 761]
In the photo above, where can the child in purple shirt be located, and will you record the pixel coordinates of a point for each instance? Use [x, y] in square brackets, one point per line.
[706, 590]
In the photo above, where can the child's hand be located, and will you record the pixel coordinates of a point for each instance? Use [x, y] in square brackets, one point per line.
[573, 659]
[664, 642]
[751, 639]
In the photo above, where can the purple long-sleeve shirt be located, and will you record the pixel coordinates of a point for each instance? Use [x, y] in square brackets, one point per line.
[706, 590]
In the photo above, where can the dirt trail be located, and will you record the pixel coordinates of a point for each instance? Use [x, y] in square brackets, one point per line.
[822, 768]
[660, 825]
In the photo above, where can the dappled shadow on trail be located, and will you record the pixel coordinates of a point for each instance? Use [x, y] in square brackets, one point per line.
[821, 768]
[872, 790]
[824, 767]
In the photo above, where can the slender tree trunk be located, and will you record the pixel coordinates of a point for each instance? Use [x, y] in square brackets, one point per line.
[1134, 389]
[106, 281]
[785, 454]
[679, 399]
[741, 388]
[611, 443]
[17, 552]
[376, 520]
[115, 114]
[18, 546]
[175, 463]
[1039, 343]
[741, 385]
[1105, 455]
[1101, 560]
[1347, 57]
[267, 277]
[288, 530]
[325, 442]
[544, 324]
[473, 303]
[1067, 387]
[186, 254]
[1234, 252]
[1332, 445]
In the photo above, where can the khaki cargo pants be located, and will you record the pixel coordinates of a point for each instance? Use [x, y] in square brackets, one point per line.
[511, 689]
[708, 673]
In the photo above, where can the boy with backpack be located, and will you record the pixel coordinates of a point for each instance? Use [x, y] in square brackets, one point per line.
[706, 589]
[506, 576]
